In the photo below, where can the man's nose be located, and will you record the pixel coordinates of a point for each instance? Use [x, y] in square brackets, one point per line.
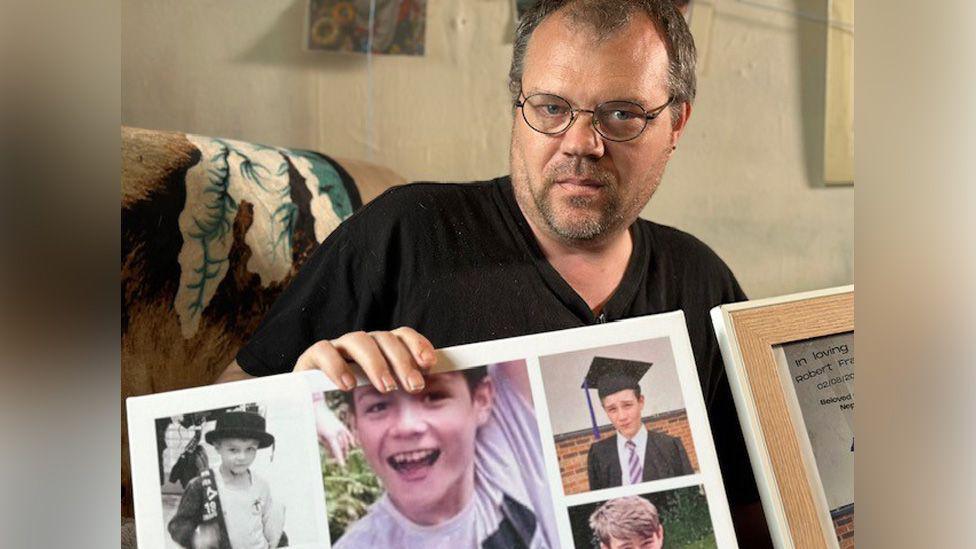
[582, 139]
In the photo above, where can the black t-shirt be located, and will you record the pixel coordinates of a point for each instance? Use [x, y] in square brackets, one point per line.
[459, 264]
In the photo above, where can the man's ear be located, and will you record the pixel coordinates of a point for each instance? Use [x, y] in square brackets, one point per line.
[678, 124]
[483, 400]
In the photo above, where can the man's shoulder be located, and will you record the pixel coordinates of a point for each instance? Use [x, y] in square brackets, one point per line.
[416, 208]
[678, 243]
[426, 196]
[690, 260]
[441, 188]
[419, 205]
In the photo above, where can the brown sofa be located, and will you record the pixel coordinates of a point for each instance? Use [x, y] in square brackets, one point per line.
[212, 230]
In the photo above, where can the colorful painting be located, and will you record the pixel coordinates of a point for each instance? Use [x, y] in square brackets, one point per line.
[398, 26]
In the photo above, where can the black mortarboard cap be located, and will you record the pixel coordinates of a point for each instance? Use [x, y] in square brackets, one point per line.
[609, 376]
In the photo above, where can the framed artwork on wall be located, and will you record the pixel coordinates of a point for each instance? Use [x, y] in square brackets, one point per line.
[790, 362]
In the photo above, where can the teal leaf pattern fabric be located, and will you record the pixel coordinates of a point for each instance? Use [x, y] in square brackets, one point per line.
[232, 172]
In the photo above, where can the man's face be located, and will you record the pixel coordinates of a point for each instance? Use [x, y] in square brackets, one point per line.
[636, 542]
[577, 187]
[624, 409]
[237, 454]
[422, 445]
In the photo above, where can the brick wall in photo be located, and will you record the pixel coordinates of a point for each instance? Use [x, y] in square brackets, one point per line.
[844, 526]
[571, 448]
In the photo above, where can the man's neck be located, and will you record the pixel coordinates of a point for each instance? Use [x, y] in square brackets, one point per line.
[594, 269]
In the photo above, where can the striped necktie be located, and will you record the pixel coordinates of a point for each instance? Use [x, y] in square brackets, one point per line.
[633, 463]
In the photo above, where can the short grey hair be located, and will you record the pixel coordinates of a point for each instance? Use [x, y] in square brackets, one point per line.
[605, 17]
[624, 518]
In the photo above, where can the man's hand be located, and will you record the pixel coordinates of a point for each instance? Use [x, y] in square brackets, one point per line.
[402, 352]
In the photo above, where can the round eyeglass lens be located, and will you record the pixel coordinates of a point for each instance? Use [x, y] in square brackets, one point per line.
[620, 120]
[547, 113]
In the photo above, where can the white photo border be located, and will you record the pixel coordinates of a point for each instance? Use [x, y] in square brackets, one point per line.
[143, 411]
[529, 348]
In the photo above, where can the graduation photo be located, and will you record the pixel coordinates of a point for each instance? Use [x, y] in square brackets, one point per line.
[618, 416]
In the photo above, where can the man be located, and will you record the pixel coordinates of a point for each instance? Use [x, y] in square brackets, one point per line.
[635, 454]
[602, 93]
[629, 522]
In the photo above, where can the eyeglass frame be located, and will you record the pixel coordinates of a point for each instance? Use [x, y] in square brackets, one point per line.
[574, 112]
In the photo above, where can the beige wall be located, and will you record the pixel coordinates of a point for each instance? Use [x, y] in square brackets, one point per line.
[747, 177]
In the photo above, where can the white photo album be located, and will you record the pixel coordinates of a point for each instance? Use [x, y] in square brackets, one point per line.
[541, 441]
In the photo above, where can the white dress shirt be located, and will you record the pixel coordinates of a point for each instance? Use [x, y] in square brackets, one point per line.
[640, 443]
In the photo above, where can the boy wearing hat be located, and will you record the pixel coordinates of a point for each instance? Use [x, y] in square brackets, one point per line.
[232, 507]
[635, 454]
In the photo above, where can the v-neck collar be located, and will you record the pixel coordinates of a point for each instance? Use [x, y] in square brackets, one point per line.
[623, 295]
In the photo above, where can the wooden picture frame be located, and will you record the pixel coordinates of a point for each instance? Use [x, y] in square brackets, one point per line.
[790, 484]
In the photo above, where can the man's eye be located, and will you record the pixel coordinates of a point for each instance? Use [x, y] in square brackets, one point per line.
[622, 116]
[552, 110]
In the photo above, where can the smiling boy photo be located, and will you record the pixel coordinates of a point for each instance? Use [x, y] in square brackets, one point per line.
[460, 462]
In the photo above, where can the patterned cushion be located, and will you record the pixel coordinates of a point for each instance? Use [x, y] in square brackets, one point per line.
[212, 231]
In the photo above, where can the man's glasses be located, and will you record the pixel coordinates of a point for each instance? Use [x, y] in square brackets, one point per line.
[614, 120]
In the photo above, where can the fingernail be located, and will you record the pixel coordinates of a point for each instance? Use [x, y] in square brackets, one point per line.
[415, 381]
[388, 383]
[348, 381]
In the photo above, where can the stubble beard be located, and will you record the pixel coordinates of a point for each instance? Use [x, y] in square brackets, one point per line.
[577, 218]
[578, 223]
[585, 220]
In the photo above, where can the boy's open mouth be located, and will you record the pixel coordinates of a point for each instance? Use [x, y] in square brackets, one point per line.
[406, 463]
